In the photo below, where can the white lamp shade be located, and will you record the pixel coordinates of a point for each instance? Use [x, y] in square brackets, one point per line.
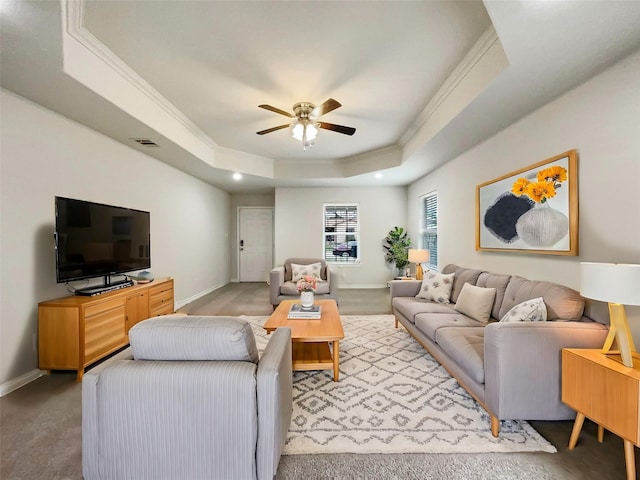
[418, 256]
[610, 282]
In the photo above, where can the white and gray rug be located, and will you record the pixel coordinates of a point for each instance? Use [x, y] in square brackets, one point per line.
[392, 397]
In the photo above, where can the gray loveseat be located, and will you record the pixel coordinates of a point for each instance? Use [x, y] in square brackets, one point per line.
[512, 369]
[190, 400]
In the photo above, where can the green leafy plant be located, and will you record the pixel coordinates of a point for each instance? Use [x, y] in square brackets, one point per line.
[396, 246]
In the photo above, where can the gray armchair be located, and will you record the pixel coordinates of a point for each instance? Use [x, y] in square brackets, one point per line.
[282, 286]
[194, 402]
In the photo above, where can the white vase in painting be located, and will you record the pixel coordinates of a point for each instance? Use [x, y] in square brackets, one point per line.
[542, 226]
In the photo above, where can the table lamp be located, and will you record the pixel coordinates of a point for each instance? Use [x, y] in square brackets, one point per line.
[418, 257]
[618, 284]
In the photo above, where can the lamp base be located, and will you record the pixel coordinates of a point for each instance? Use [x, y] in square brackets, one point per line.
[619, 330]
[419, 272]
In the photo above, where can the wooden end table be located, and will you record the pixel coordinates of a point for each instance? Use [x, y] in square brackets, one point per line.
[310, 338]
[601, 388]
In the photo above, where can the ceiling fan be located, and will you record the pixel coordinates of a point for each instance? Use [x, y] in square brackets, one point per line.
[305, 127]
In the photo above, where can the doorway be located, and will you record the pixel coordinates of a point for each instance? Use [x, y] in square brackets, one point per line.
[255, 243]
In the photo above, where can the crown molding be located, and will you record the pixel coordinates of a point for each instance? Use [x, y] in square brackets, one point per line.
[479, 49]
[76, 29]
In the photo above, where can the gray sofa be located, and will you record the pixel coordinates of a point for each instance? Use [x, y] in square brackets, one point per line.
[512, 369]
[191, 400]
[282, 286]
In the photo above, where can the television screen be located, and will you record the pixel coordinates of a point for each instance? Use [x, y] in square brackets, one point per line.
[96, 240]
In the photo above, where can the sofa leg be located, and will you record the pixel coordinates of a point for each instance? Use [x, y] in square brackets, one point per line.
[495, 426]
[396, 323]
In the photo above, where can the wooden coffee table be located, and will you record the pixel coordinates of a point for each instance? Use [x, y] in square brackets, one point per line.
[310, 338]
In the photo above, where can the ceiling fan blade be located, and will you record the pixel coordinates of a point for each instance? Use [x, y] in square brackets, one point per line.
[276, 110]
[336, 128]
[269, 130]
[328, 106]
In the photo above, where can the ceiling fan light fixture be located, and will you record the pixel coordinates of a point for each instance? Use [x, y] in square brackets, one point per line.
[304, 131]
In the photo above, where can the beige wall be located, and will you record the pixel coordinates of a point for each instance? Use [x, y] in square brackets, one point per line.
[44, 155]
[299, 223]
[601, 119]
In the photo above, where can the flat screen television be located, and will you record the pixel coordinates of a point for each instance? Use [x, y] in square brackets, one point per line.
[95, 240]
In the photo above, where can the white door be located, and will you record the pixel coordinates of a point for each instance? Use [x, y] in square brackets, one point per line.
[255, 243]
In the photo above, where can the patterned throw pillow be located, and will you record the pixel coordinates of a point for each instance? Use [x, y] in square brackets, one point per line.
[533, 310]
[436, 286]
[299, 271]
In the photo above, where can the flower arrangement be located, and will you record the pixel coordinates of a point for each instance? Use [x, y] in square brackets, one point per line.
[547, 181]
[308, 283]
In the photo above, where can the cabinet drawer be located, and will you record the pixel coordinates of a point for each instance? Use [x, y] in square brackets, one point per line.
[164, 307]
[103, 333]
[161, 289]
[99, 307]
[161, 300]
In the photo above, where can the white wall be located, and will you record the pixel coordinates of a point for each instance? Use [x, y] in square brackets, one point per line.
[601, 119]
[244, 200]
[43, 155]
[299, 223]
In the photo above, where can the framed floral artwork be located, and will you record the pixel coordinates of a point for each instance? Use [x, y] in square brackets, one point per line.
[531, 210]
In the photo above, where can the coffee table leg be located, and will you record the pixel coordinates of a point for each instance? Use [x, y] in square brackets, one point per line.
[336, 358]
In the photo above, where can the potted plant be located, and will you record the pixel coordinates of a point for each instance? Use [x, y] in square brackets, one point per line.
[396, 245]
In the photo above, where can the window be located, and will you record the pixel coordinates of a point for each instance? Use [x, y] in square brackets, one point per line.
[341, 233]
[429, 228]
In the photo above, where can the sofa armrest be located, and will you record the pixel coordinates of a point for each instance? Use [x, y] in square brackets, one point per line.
[522, 363]
[276, 279]
[90, 447]
[404, 288]
[275, 404]
[332, 280]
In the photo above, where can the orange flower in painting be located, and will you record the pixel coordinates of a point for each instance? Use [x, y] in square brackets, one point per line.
[520, 186]
[541, 191]
[553, 174]
[548, 180]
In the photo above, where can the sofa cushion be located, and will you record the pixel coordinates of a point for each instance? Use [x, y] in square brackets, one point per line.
[462, 276]
[533, 310]
[466, 346]
[409, 307]
[298, 272]
[436, 286]
[476, 302]
[290, 288]
[562, 302]
[187, 337]
[430, 323]
[499, 282]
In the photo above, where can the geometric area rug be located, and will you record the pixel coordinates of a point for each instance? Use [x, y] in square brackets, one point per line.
[392, 397]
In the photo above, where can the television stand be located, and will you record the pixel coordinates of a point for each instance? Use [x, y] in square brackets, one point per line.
[77, 331]
[108, 286]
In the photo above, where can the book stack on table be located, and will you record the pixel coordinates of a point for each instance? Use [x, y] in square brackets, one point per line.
[298, 311]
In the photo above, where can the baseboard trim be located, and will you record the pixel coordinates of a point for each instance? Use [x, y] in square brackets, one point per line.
[181, 303]
[21, 381]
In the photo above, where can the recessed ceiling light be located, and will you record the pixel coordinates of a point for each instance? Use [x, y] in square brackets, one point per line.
[237, 176]
[378, 175]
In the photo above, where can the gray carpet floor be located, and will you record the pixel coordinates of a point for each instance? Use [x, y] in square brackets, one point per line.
[40, 425]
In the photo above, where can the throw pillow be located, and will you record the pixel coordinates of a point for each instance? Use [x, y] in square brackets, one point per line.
[436, 287]
[299, 271]
[476, 302]
[533, 310]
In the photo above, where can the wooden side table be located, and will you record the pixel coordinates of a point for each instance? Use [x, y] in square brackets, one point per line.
[601, 388]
